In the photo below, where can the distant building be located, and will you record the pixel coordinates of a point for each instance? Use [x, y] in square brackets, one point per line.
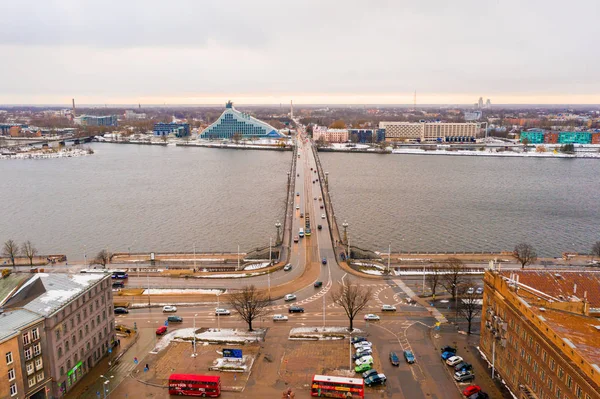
[430, 131]
[538, 136]
[480, 103]
[131, 115]
[91, 120]
[533, 136]
[539, 328]
[472, 116]
[367, 135]
[488, 104]
[5, 127]
[65, 324]
[575, 138]
[233, 122]
[179, 129]
[330, 135]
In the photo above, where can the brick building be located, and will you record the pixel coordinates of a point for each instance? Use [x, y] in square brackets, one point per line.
[540, 331]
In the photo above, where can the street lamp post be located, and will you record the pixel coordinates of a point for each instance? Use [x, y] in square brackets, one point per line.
[270, 249]
[389, 257]
[194, 257]
[278, 226]
[218, 316]
[345, 226]
[85, 256]
[194, 354]
[238, 257]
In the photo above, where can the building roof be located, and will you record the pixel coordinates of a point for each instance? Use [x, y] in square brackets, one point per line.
[11, 322]
[232, 115]
[566, 285]
[46, 293]
[10, 283]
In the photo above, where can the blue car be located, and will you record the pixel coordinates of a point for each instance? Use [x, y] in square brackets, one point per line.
[448, 355]
[324, 261]
[409, 357]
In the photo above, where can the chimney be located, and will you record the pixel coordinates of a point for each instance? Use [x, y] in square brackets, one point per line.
[73, 100]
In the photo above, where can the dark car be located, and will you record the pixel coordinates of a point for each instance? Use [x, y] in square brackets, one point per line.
[324, 261]
[394, 359]
[321, 206]
[318, 284]
[175, 319]
[356, 340]
[448, 349]
[319, 227]
[378, 379]
[369, 373]
[463, 366]
[480, 395]
[121, 311]
[409, 357]
[448, 355]
[362, 354]
[295, 309]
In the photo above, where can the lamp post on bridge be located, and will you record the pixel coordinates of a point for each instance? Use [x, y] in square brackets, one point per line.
[345, 226]
[278, 226]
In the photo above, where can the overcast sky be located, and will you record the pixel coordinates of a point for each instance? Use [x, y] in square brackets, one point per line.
[311, 51]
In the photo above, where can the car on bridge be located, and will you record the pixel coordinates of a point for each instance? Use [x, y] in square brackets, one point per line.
[295, 309]
[319, 227]
[287, 267]
[297, 193]
[296, 238]
[322, 207]
[297, 206]
[324, 261]
[289, 297]
[323, 216]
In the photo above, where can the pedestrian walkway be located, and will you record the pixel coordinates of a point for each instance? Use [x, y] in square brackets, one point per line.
[410, 293]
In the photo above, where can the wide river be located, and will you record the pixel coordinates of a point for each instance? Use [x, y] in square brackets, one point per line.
[148, 198]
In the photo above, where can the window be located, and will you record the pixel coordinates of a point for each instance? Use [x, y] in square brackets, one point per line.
[91, 307]
[26, 339]
[31, 381]
[69, 364]
[27, 353]
[569, 381]
[561, 372]
[104, 315]
[578, 392]
[80, 334]
[66, 346]
[97, 304]
[85, 313]
[87, 329]
[72, 323]
[558, 393]
[93, 324]
[73, 340]
[552, 364]
[35, 334]
[11, 374]
[87, 346]
[29, 367]
[550, 384]
[57, 335]
[78, 318]
[40, 376]
[9, 358]
[13, 389]
[98, 319]
[59, 352]
[37, 349]
[39, 363]
[62, 371]
[64, 327]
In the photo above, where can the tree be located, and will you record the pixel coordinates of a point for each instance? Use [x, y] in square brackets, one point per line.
[103, 258]
[433, 279]
[29, 251]
[354, 138]
[352, 298]
[470, 303]
[525, 254]
[11, 249]
[568, 148]
[452, 276]
[321, 142]
[250, 303]
[236, 137]
[596, 250]
[339, 124]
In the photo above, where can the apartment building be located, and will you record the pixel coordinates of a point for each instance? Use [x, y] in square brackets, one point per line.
[76, 323]
[330, 135]
[541, 333]
[23, 368]
[430, 131]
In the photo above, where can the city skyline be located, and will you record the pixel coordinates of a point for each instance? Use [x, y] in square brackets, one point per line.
[268, 52]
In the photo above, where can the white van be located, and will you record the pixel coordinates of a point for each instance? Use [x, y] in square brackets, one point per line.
[301, 233]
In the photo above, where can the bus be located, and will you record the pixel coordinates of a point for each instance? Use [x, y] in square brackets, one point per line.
[119, 274]
[301, 233]
[327, 386]
[195, 385]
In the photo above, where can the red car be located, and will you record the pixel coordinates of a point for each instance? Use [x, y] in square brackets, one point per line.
[471, 390]
[161, 330]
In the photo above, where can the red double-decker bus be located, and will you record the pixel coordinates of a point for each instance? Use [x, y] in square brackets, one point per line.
[205, 386]
[326, 386]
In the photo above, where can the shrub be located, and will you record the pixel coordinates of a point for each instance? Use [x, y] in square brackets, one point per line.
[5, 273]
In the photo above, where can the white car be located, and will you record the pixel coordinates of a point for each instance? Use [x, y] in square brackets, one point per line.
[363, 344]
[363, 360]
[289, 297]
[471, 290]
[222, 312]
[454, 360]
[388, 308]
[371, 316]
[280, 317]
[169, 308]
[323, 216]
[297, 206]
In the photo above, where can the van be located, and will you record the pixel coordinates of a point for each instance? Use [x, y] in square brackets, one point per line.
[301, 232]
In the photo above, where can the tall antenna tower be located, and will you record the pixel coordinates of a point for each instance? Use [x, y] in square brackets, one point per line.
[291, 109]
[415, 101]
[73, 100]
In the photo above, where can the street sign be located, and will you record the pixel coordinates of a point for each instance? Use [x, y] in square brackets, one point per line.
[167, 323]
[235, 353]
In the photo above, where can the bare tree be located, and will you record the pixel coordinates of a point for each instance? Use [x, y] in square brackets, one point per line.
[11, 249]
[352, 298]
[525, 254]
[250, 303]
[453, 276]
[103, 258]
[433, 278]
[596, 250]
[236, 137]
[29, 251]
[469, 305]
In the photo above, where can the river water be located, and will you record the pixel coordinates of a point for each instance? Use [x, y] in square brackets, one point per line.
[450, 203]
[144, 198]
[151, 198]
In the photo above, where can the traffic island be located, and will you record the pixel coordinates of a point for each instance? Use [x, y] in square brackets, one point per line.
[321, 333]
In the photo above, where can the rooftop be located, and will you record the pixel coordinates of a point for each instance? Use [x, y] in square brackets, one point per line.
[10, 283]
[11, 322]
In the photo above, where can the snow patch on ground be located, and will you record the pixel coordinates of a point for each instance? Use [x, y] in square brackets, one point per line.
[374, 272]
[420, 272]
[224, 335]
[231, 365]
[257, 266]
[157, 305]
[160, 291]
[320, 333]
[230, 275]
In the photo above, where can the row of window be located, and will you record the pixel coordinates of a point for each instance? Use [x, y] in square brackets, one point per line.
[32, 351]
[79, 302]
[78, 317]
[31, 336]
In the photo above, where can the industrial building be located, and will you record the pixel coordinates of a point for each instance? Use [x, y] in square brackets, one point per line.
[234, 123]
[179, 129]
[430, 132]
[91, 120]
[64, 326]
[539, 331]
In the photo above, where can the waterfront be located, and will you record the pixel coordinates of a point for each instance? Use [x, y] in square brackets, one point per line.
[424, 203]
[147, 198]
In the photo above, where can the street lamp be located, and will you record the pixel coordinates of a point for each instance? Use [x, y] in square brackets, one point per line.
[218, 316]
[345, 226]
[105, 386]
[327, 178]
[278, 226]
[194, 354]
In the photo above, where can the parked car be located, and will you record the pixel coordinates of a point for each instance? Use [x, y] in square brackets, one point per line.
[287, 267]
[363, 360]
[409, 357]
[362, 353]
[324, 261]
[447, 355]
[318, 284]
[295, 309]
[371, 316]
[279, 317]
[121, 311]
[369, 373]
[363, 344]
[363, 367]
[479, 291]
[463, 366]
[175, 319]
[222, 312]
[388, 308]
[471, 390]
[169, 308]
[378, 379]
[394, 359]
[462, 376]
[454, 360]
[470, 290]
[161, 330]
[480, 395]
[358, 339]
[448, 349]
[289, 297]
